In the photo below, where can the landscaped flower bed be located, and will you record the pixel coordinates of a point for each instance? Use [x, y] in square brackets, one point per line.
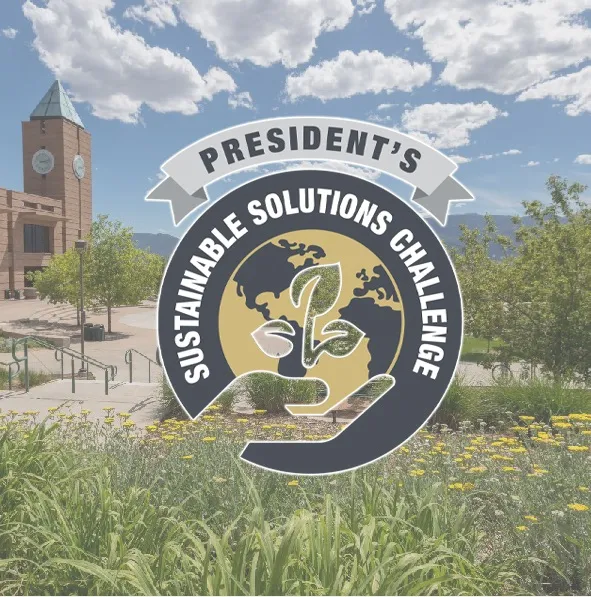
[106, 507]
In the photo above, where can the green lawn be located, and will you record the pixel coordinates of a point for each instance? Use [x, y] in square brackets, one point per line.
[474, 348]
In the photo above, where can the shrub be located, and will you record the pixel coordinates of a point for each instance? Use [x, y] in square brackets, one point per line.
[540, 398]
[509, 399]
[36, 378]
[228, 397]
[270, 392]
[170, 405]
[460, 404]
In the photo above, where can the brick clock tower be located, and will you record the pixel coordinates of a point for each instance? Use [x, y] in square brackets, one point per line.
[55, 208]
[57, 163]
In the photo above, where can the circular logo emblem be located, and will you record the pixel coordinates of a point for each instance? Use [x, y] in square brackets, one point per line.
[328, 280]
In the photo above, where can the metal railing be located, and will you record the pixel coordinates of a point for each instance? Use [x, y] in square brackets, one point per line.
[129, 361]
[110, 371]
[16, 360]
[12, 375]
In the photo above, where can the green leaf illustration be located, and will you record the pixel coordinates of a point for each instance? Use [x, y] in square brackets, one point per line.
[345, 338]
[326, 290]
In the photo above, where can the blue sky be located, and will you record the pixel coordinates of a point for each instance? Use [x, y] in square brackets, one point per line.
[503, 88]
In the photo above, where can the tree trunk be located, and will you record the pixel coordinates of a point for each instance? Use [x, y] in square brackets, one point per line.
[109, 319]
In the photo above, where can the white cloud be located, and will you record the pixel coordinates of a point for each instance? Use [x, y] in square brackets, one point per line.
[157, 12]
[448, 125]
[385, 106]
[369, 173]
[9, 32]
[574, 88]
[503, 47]
[584, 158]
[115, 70]
[530, 164]
[459, 159]
[350, 74]
[241, 100]
[260, 31]
[379, 118]
[365, 7]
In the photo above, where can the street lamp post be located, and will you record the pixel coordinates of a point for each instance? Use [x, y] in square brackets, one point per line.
[81, 246]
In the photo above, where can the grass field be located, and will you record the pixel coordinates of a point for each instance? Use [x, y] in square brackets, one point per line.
[474, 348]
[105, 508]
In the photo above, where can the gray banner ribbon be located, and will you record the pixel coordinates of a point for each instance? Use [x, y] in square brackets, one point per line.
[309, 138]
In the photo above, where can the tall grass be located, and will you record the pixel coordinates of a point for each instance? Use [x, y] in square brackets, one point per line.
[36, 378]
[270, 392]
[91, 509]
[542, 399]
[72, 525]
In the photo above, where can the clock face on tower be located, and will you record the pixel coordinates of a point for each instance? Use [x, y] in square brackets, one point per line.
[78, 166]
[43, 161]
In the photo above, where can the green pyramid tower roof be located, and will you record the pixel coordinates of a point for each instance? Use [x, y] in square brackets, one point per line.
[56, 104]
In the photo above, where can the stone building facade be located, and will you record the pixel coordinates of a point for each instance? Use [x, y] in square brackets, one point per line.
[55, 208]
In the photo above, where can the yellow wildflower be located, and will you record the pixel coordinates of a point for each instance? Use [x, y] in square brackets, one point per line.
[578, 448]
[578, 507]
[293, 483]
[461, 486]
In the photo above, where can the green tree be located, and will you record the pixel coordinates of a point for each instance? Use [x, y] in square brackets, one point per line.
[546, 286]
[60, 282]
[478, 274]
[118, 272]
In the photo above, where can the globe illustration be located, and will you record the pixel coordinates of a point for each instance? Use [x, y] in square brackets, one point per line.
[259, 291]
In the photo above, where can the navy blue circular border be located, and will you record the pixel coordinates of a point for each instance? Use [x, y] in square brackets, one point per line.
[397, 415]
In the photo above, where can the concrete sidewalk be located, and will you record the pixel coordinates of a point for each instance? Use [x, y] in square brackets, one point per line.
[133, 327]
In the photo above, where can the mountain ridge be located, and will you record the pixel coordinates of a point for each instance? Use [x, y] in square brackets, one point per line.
[164, 244]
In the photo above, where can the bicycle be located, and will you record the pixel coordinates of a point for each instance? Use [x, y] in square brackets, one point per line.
[502, 372]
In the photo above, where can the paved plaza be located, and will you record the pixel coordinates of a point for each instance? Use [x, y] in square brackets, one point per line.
[133, 327]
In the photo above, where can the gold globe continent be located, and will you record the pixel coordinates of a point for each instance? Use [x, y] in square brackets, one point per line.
[237, 322]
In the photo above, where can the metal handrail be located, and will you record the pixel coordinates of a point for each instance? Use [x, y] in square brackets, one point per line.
[129, 361]
[59, 352]
[11, 375]
[75, 355]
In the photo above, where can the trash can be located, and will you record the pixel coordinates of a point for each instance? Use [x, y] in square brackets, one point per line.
[17, 294]
[8, 294]
[99, 331]
[94, 332]
[88, 332]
